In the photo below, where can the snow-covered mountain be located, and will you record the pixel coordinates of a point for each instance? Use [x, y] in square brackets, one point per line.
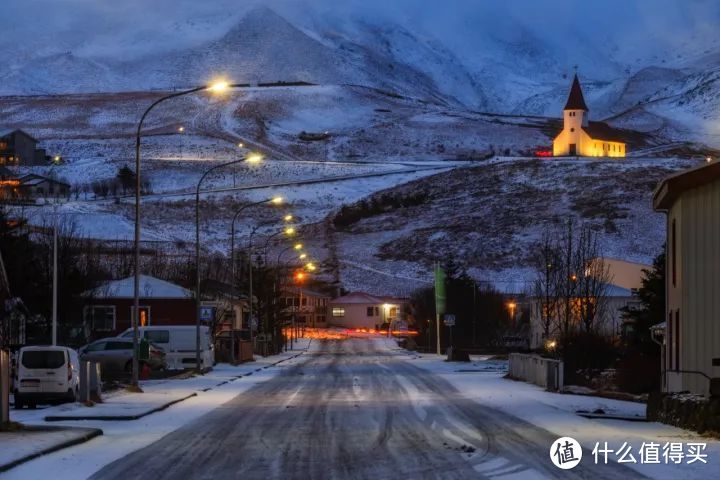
[511, 57]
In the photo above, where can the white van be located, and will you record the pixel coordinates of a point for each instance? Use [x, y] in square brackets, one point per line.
[178, 342]
[46, 374]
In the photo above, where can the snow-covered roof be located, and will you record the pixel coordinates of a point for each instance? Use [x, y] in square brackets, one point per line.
[150, 287]
[617, 291]
[358, 297]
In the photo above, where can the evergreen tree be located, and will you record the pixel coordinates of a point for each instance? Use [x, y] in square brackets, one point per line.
[652, 307]
[126, 177]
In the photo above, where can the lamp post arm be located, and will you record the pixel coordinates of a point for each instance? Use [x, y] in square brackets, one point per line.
[136, 287]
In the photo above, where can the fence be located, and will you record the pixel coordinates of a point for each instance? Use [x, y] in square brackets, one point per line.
[545, 372]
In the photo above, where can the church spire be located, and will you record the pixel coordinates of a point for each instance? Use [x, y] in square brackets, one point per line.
[576, 101]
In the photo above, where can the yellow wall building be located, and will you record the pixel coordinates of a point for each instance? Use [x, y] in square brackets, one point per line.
[579, 136]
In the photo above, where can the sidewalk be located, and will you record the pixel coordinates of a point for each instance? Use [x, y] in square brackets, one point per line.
[31, 442]
[483, 381]
[164, 406]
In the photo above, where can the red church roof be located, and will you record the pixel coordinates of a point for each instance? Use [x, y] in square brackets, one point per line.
[576, 101]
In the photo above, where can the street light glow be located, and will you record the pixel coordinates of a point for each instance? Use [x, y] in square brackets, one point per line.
[303, 256]
[287, 218]
[181, 129]
[310, 266]
[276, 200]
[298, 246]
[289, 231]
[219, 86]
[254, 158]
[241, 145]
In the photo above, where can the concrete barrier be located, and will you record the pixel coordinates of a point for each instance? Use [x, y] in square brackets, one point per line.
[90, 382]
[544, 372]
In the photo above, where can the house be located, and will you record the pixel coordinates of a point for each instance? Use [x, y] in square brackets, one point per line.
[362, 310]
[625, 278]
[108, 308]
[31, 187]
[691, 340]
[19, 148]
[581, 137]
[308, 306]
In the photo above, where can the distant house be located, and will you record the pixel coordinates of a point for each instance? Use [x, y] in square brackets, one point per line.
[691, 340]
[626, 278]
[362, 310]
[31, 187]
[582, 137]
[108, 308]
[17, 147]
[309, 307]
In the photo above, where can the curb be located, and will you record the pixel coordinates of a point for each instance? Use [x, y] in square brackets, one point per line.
[91, 433]
[58, 418]
[601, 416]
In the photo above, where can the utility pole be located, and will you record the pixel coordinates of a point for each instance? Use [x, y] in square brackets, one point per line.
[54, 285]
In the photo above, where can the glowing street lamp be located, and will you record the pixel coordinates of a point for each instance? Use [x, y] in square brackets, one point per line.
[254, 158]
[181, 129]
[241, 145]
[298, 246]
[303, 256]
[219, 86]
[289, 231]
[311, 266]
[511, 307]
[288, 218]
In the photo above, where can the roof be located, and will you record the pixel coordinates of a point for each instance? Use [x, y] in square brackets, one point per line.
[150, 287]
[617, 291]
[358, 298]
[7, 133]
[34, 179]
[602, 131]
[576, 100]
[671, 187]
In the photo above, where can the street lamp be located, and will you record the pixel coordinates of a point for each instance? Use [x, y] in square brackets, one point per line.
[216, 87]
[511, 307]
[197, 253]
[274, 201]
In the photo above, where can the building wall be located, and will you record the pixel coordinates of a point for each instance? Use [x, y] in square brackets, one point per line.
[693, 308]
[162, 312]
[573, 121]
[356, 315]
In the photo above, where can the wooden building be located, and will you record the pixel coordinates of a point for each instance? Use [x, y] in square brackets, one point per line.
[108, 309]
[19, 148]
[691, 353]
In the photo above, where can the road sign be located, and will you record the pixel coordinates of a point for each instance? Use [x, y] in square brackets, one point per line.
[449, 320]
[207, 314]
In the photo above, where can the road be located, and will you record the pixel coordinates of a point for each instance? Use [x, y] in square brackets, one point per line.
[353, 410]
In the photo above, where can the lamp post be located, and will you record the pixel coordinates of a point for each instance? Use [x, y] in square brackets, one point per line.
[216, 87]
[275, 200]
[251, 159]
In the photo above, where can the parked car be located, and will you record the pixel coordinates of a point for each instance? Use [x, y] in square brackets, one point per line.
[115, 355]
[179, 344]
[46, 374]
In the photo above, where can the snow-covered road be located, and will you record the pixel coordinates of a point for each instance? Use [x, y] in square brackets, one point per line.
[353, 409]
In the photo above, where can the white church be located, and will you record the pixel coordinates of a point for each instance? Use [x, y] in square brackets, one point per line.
[579, 136]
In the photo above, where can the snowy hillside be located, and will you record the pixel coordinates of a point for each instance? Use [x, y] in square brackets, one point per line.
[489, 56]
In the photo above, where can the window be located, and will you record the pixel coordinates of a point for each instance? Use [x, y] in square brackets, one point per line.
[370, 311]
[96, 347]
[43, 359]
[677, 339]
[572, 129]
[158, 336]
[338, 312]
[101, 318]
[113, 345]
[673, 253]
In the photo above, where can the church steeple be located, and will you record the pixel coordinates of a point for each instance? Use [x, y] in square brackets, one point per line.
[575, 100]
